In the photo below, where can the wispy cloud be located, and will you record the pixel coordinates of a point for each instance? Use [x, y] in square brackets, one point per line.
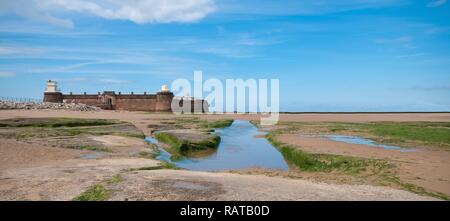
[91, 60]
[113, 81]
[99, 79]
[129, 64]
[436, 3]
[300, 7]
[226, 52]
[72, 80]
[431, 87]
[19, 50]
[401, 39]
[60, 12]
[435, 30]
[137, 11]
[4, 74]
[411, 55]
[248, 40]
[36, 28]
[119, 72]
[33, 10]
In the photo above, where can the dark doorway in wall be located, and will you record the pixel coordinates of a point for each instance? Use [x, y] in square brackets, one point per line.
[109, 103]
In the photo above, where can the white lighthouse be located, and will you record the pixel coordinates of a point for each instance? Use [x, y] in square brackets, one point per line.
[165, 88]
[52, 86]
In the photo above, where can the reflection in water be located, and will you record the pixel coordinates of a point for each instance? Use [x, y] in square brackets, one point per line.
[241, 146]
[202, 153]
[363, 141]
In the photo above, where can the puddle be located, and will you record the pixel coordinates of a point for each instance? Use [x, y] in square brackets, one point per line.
[241, 146]
[93, 156]
[368, 142]
[151, 140]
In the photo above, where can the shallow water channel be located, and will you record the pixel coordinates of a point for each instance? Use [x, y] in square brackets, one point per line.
[366, 142]
[242, 146]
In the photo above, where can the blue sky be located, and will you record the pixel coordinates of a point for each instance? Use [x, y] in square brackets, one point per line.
[348, 55]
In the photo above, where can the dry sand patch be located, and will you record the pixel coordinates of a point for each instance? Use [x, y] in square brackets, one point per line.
[180, 185]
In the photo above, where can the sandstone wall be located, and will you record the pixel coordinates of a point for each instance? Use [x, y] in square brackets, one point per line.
[132, 102]
[53, 97]
[135, 102]
[164, 101]
[87, 99]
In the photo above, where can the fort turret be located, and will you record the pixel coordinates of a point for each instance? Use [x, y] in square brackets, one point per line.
[164, 99]
[52, 94]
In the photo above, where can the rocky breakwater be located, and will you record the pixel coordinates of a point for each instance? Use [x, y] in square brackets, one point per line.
[13, 105]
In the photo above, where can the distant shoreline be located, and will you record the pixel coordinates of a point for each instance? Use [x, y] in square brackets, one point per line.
[350, 112]
[373, 112]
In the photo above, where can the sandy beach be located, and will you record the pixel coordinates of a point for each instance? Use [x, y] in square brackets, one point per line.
[40, 171]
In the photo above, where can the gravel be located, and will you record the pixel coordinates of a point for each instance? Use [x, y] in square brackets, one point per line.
[12, 105]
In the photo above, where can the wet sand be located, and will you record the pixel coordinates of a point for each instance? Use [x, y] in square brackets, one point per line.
[40, 172]
[140, 118]
[423, 167]
[63, 177]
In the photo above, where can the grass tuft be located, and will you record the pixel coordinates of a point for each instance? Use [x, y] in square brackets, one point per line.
[165, 165]
[216, 124]
[327, 162]
[95, 193]
[94, 148]
[116, 179]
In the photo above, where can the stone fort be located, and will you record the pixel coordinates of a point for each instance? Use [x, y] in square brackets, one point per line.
[110, 100]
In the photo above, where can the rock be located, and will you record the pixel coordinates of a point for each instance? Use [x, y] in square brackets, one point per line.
[11, 105]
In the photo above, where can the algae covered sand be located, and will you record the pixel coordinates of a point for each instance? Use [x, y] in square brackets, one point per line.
[67, 132]
[307, 146]
[37, 172]
[187, 135]
[434, 135]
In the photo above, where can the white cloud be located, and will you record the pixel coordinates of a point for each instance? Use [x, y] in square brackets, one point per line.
[138, 11]
[436, 3]
[401, 39]
[7, 74]
[32, 9]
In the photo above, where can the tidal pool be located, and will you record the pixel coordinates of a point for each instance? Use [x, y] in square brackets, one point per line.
[242, 146]
[363, 141]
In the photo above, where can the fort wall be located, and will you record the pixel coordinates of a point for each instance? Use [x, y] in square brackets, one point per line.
[109, 100]
[53, 97]
[163, 101]
[90, 99]
[136, 102]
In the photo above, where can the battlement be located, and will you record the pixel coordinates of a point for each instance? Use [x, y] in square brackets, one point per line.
[110, 100]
